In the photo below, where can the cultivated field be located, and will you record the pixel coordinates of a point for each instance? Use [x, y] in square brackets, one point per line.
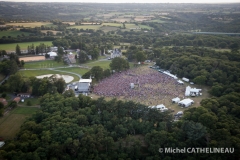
[34, 58]
[23, 46]
[32, 25]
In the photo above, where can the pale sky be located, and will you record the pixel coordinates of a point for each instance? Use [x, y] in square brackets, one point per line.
[132, 1]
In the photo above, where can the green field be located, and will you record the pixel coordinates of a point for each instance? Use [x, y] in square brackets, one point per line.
[32, 25]
[104, 64]
[25, 110]
[34, 102]
[10, 124]
[77, 70]
[104, 25]
[144, 26]
[43, 64]
[34, 73]
[13, 33]
[23, 46]
[112, 24]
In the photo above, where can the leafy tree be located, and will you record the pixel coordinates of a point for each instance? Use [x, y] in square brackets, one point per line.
[69, 93]
[119, 64]
[18, 50]
[140, 56]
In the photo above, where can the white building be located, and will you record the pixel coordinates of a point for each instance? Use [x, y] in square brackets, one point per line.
[52, 54]
[115, 53]
[186, 102]
[83, 85]
[192, 91]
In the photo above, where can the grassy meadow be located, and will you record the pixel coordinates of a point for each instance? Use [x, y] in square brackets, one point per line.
[104, 64]
[43, 64]
[34, 73]
[77, 70]
[23, 45]
[10, 123]
[13, 33]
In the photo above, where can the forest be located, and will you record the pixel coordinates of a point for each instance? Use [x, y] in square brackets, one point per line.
[69, 127]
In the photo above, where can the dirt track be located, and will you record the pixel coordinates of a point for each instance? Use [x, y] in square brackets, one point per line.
[34, 58]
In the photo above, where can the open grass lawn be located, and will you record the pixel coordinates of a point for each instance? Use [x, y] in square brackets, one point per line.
[157, 20]
[77, 70]
[13, 33]
[32, 24]
[10, 124]
[34, 73]
[43, 64]
[23, 46]
[144, 26]
[113, 24]
[104, 64]
[25, 110]
[108, 28]
[34, 102]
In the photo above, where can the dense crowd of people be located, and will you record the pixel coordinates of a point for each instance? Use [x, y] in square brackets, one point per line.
[150, 86]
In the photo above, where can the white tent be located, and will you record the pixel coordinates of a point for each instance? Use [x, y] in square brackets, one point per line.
[175, 100]
[187, 92]
[186, 102]
[185, 79]
[161, 107]
[169, 74]
[180, 82]
[52, 54]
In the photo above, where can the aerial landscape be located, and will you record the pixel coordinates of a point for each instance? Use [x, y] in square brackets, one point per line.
[121, 81]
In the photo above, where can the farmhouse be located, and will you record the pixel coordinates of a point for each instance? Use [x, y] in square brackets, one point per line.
[186, 102]
[25, 95]
[115, 53]
[83, 85]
